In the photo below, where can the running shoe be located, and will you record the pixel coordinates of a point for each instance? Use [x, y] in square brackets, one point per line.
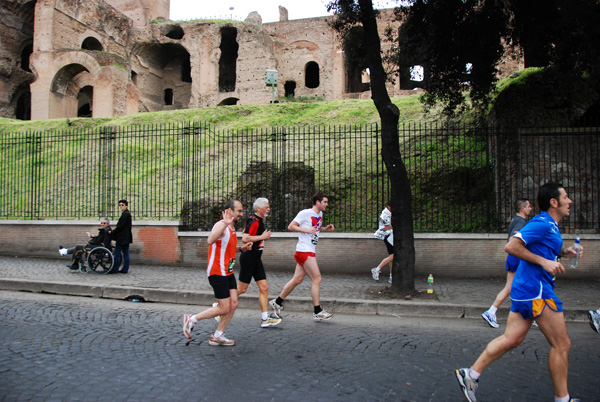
[270, 322]
[188, 325]
[390, 279]
[217, 318]
[276, 307]
[323, 316]
[594, 316]
[490, 319]
[62, 251]
[375, 273]
[467, 384]
[220, 341]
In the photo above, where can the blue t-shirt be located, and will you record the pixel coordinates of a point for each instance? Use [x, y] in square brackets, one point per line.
[542, 237]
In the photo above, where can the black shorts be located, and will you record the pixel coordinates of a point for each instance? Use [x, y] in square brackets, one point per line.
[251, 266]
[222, 285]
[390, 247]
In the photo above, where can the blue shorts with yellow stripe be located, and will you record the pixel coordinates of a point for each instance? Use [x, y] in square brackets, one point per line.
[531, 309]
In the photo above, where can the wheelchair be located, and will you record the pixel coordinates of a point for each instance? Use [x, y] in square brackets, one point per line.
[96, 258]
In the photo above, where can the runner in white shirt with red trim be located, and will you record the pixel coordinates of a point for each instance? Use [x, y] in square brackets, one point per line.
[309, 224]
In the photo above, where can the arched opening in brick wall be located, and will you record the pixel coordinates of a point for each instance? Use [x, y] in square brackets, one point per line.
[417, 73]
[412, 77]
[65, 90]
[168, 96]
[311, 75]
[228, 102]
[64, 76]
[366, 76]
[174, 32]
[23, 104]
[25, 56]
[159, 66]
[290, 89]
[355, 60]
[91, 43]
[85, 98]
[228, 60]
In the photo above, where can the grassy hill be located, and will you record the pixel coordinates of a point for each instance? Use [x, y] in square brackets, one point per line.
[341, 112]
[530, 96]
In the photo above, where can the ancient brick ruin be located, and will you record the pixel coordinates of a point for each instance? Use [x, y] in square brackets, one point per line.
[104, 58]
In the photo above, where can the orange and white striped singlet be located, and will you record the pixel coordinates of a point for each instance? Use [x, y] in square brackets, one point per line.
[221, 254]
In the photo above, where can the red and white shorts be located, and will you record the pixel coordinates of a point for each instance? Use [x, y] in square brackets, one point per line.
[302, 256]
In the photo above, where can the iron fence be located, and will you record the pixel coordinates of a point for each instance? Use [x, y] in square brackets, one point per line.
[463, 179]
[526, 158]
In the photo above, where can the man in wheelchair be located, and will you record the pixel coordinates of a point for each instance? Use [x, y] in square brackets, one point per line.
[103, 239]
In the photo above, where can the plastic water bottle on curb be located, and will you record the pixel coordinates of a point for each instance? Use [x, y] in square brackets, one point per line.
[575, 260]
[430, 284]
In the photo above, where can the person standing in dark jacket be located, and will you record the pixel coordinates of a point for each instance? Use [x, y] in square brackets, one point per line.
[122, 236]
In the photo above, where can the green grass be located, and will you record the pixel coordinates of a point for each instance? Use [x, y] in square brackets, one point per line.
[157, 181]
[341, 112]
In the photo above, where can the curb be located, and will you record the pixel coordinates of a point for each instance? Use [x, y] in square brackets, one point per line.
[396, 308]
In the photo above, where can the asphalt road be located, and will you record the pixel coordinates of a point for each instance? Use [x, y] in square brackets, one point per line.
[63, 348]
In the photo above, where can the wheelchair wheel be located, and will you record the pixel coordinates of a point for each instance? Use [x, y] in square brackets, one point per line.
[100, 260]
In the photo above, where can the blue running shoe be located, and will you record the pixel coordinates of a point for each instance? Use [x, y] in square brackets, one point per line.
[490, 319]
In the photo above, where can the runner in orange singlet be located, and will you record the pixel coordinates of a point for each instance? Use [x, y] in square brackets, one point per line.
[222, 247]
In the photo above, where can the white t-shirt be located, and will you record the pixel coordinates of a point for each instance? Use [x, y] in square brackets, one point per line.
[384, 220]
[307, 218]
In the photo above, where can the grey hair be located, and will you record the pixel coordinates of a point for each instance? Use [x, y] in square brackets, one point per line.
[260, 202]
[104, 218]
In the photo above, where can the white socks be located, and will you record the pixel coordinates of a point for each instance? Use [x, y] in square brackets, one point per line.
[474, 374]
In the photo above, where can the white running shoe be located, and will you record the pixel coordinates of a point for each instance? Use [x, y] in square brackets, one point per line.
[594, 316]
[217, 318]
[375, 273]
[270, 322]
[220, 341]
[323, 316]
[188, 325]
[467, 385]
[276, 308]
[62, 251]
[390, 279]
[490, 319]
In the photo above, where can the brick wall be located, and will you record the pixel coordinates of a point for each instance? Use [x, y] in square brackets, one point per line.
[159, 242]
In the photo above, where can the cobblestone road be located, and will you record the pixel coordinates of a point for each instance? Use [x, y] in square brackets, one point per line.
[63, 348]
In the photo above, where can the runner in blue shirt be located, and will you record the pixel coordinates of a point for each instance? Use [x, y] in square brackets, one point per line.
[538, 245]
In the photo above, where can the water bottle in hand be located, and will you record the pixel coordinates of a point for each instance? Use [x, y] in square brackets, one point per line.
[575, 260]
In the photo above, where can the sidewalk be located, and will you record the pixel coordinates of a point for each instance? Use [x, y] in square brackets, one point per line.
[339, 293]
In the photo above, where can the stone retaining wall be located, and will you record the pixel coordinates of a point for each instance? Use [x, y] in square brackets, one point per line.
[161, 243]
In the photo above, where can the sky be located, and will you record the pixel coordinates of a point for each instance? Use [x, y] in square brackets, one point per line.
[268, 9]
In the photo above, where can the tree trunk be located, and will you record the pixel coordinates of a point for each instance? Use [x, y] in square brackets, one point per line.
[403, 270]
